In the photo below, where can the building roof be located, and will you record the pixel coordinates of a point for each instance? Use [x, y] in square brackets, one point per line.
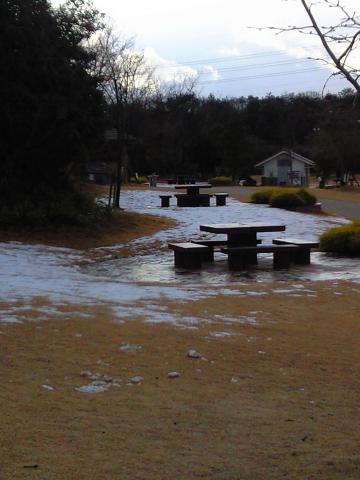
[294, 155]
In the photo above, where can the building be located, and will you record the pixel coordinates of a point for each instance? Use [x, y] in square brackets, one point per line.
[286, 168]
[98, 172]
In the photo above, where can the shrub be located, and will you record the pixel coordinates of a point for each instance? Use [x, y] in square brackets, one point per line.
[344, 240]
[286, 200]
[285, 197]
[262, 197]
[220, 181]
[140, 179]
[307, 197]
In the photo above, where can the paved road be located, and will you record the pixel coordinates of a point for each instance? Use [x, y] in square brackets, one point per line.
[340, 208]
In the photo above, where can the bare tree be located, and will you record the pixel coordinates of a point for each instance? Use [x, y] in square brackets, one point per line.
[340, 40]
[126, 78]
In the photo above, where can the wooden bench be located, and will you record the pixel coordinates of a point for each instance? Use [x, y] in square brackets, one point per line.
[198, 200]
[211, 244]
[204, 199]
[302, 256]
[220, 199]
[208, 256]
[187, 254]
[165, 200]
[239, 257]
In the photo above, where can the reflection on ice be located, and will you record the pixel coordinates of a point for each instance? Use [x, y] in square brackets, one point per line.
[140, 285]
[159, 268]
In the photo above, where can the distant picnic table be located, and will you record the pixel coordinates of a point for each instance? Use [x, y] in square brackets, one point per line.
[193, 197]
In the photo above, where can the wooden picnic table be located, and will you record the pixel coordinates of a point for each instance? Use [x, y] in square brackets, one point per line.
[193, 189]
[193, 197]
[242, 234]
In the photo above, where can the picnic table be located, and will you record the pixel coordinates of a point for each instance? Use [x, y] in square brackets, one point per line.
[193, 197]
[242, 234]
[193, 188]
[242, 246]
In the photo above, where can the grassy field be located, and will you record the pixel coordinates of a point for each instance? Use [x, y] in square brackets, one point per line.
[276, 398]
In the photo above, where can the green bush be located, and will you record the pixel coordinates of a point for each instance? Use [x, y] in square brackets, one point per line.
[344, 240]
[221, 181]
[307, 197]
[263, 196]
[284, 197]
[140, 179]
[286, 200]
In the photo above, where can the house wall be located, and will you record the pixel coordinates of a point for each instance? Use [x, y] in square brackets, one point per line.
[299, 166]
[272, 169]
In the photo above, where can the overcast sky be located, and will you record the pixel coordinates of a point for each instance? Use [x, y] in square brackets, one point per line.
[211, 38]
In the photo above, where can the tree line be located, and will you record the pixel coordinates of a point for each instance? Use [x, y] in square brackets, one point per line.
[186, 133]
[67, 78]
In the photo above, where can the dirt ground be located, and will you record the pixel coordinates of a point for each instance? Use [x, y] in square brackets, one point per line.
[271, 399]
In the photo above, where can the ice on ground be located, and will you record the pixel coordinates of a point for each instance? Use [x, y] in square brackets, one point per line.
[140, 285]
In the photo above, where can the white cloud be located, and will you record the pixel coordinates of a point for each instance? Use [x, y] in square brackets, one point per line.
[168, 70]
[181, 31]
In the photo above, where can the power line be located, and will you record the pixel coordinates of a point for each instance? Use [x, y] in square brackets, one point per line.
[292, 86]
[253, 77]
[221, 59]
[256, 65]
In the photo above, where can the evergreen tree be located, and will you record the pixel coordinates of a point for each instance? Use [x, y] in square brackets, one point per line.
[51, 107]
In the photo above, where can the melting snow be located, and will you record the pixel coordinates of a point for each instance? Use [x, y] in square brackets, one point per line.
[137, 285]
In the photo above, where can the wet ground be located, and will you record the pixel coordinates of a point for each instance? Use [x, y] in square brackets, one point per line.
[137, 284]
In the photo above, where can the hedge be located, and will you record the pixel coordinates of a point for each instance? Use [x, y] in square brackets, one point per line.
[344, 240]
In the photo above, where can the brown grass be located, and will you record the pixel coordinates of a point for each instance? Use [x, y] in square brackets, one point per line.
[123, 227]
[292, 412]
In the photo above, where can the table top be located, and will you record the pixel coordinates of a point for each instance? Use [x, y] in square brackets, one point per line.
[194, 185]
[242, 227]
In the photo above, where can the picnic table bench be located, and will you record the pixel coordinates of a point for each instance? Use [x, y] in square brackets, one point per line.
[165, 200]
[196, 200]
[302, 256]
[212, 244]
[240, 257]
[188, 255]
[220, 199]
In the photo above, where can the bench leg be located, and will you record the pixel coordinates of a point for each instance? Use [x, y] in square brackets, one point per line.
[192, 260]
[209, 255]
[302, 257]
[236, 261]
[205, 202]
[179, 259]
[220, 201]
[281, 260]
[181, 202]
[165, 202]
[189, 260]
